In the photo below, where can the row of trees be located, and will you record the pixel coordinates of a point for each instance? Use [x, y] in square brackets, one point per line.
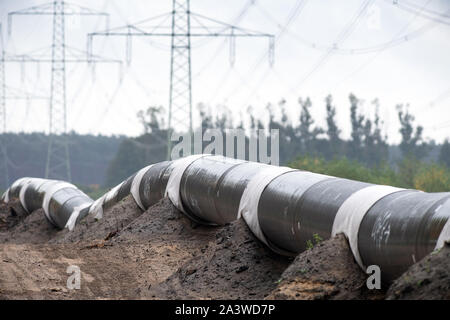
[367, 145]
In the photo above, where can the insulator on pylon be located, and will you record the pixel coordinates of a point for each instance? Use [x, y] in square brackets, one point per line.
[271, 51]
[232, 50]
[93, 73]
[9, 25]
[22, 73]
[128, 50]
[89, 49]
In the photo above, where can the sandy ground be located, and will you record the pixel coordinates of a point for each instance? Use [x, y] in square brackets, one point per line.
[161, 254]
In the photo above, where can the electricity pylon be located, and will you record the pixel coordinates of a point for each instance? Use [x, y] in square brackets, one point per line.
[3, 112]
[17, 95]
[58, 163]
[185, 24]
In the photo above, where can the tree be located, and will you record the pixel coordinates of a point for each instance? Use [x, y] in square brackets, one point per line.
[412, 144]
[149, 119]
[444, 154]
[307, 133]
[332, 131]
[375, 145]
[358, 128]
[205, 117]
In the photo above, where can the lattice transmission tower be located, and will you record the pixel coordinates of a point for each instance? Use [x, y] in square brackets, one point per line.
[58, 160]
[9, 93]
[3, 148]
[184, 26]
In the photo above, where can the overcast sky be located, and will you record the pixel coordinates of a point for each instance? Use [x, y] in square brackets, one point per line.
[414, 72]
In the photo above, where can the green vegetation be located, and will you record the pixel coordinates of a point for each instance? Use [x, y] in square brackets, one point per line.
[410, 173]
[98, 162]
[365, 156]
[311, 243]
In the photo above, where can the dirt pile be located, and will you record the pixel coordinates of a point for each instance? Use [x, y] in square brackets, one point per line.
[90, 229]
[17, 226]
[161, 254]
[11, 214]
[120, 256]
[162, 239]
[427, 279]
[234, 266]
[327, 271]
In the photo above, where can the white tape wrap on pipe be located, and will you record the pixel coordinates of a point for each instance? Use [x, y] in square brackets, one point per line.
[173, 185]
[444, 236]
[97, 207]
[113, 192]
[15, 183]
[70, 224]
[351, 213]
[37, 182]
[136, 184]
[5, 195]
[248, 206]
[23, 189]
[52, 188]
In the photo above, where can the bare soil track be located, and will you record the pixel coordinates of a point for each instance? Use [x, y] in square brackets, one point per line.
[161, 254]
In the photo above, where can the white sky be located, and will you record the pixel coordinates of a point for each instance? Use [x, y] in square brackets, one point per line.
[414, 72]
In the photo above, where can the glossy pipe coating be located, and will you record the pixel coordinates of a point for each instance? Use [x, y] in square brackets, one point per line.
[288, 210]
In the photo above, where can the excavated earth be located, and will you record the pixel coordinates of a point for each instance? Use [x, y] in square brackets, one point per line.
[161, 254]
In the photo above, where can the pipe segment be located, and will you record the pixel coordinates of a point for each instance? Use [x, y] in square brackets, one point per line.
[58, 199]
[285, 208]
[402, 228]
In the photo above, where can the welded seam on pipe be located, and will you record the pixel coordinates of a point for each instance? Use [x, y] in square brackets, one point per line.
[444, 236]
[74, 216]
[348, 218]
[49, 194]
[248, 206]
[135, 185]
[351, 213]
[173, 185]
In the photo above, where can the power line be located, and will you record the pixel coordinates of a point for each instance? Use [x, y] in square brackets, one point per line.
[443, 18]
[236, 20]
[58, 161]
[342, 36]
[401, 38]
[185, 26]
[292, 16]
[401, 31]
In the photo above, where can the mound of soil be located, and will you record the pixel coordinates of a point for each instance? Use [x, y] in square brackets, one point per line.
[11, 214]
[327, 271]
[32, 228]
[428, 279]
[124, 264]
[162, 254]
[165, 239]
[113, 220]
[235, 266]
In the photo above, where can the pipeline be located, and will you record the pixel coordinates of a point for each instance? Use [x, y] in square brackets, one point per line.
[285, 208]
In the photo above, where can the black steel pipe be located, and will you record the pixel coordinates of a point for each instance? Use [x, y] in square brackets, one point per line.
[285, 208]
